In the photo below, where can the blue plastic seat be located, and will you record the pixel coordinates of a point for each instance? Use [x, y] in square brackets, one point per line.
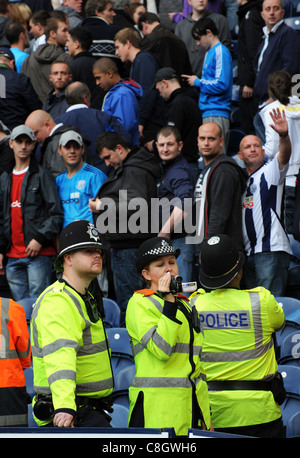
[29, 381]
[119, 417]
[27, 303]
[291, 405]
[293, 426]
[123, 380]
[121, 353]
[112, 313]
[290, 350]
[291, 308]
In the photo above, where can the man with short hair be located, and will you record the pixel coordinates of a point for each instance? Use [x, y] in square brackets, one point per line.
[37, 66]
[78, 43]
[279, 50]
[80, 182]
[266, 243]
[71, 357]
[31, 218]
[177, 186]
[184, 31]
[182, 110]
[18, 38]
[89, 121]
[219, 188]
[215, 84]
[134, 179]
[37, 23]
[60, 76]
[142, 70]
[122, 96]
[168, 48]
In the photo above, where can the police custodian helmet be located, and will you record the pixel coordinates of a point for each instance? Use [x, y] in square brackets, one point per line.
[220, 262]
[154, 248]
[77, 236]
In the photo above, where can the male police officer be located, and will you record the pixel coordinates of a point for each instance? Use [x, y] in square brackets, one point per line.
[71, 361]
[238, 355]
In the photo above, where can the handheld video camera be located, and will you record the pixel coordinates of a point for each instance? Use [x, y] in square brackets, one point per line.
[178, 286]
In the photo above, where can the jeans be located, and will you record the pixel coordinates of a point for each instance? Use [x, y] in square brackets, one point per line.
[28, 277]
[126, 278]
[185, 260]
[269, 270]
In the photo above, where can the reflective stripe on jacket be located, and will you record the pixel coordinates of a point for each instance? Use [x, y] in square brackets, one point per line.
[15, 356]
[70, 353]
[238, 345]
[167, 358]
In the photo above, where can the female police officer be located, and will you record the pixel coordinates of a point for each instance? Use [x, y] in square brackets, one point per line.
[169, 389]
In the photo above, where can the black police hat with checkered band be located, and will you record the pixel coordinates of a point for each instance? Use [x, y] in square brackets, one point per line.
[77, 235]
[154, 248]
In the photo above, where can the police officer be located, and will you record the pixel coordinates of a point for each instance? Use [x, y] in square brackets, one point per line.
[169, 389]
[245, 388]
[71, 360]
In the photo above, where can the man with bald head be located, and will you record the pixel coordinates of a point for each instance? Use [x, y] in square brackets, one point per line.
[219, 188]
[47, 133]
[266, 243]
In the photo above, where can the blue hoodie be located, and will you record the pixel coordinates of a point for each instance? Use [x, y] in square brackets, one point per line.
[216, 83]
[122, 101]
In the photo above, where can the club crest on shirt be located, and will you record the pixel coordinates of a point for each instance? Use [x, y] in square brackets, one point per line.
[80, 184]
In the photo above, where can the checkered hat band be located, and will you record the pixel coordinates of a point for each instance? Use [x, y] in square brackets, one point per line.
[160, 250]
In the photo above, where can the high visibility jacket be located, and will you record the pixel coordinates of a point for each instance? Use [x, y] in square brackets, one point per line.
[238, 345]
[15, 356]
[166, 352]
[70, 352]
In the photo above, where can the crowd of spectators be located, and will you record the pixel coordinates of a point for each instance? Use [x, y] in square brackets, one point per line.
[127, 102]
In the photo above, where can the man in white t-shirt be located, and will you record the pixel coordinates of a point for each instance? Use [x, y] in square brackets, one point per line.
[266, 243]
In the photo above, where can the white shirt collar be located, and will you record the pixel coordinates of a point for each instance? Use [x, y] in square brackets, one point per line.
[76, 106]
[273, 29]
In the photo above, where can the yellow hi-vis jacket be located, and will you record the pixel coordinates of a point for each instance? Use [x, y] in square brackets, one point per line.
[238, 345]
[167, 353]
[71, 354]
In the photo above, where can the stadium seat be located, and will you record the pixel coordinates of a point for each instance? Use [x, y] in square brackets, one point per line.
[31, 421]
[121, 353]
[119, 417]
[290, 350]
[291, 405]
[112, 313]
[123, 380]
[293, 426]
[235, 137]
[291, 308]
[29, 381]
[27, 303]
[293, 22]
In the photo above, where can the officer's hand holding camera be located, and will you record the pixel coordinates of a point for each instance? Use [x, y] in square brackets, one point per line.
[164, 287]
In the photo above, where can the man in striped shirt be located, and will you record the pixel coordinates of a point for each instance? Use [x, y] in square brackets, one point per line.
[266, 243]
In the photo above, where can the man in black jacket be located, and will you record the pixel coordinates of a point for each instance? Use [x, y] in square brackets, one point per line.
[182, 110]
[31, 217]
[124, 205]
[18, 97]
[219, 189]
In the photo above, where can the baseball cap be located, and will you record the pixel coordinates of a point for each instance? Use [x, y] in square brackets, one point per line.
[22, 130]
[78, 235]
[166, 73]
[68, 136]
[154, 248]
[6, 52]
[220, 261]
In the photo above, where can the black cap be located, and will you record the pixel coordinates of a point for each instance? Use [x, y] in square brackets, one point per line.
[77, 236]
[220, 262]
[154, 248]
[166, 73]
